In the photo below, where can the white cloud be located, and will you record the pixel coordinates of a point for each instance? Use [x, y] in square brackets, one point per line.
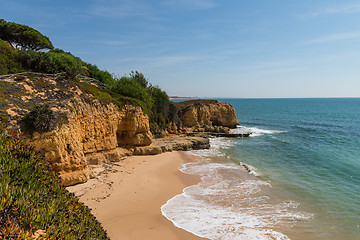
[191, 4]
[348, 9]
[337, 37]
[343, 9]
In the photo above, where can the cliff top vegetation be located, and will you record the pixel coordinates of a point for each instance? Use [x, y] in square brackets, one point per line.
[195, 102]
[19, 52]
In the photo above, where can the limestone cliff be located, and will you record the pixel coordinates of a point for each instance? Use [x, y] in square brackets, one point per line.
[208, 115]
[93, 135]
[91, 130]
[94, 128]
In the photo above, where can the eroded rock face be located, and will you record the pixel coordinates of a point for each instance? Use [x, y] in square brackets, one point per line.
[92, 135]
[90, 131]
[97, 132]
[133, 128]
[207, 114]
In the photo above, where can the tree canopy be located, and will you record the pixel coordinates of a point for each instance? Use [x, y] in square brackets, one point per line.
[23, 36]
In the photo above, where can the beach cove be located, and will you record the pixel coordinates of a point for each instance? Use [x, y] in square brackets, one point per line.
[293, 160]
[184, 195]
[302, 156]
[232, 120]
[127, 196]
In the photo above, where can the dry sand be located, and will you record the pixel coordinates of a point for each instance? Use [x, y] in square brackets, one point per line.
[126, 196]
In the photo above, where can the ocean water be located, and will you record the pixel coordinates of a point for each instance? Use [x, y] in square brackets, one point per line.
[302, 179]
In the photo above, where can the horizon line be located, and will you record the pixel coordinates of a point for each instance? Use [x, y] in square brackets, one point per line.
[261, 97]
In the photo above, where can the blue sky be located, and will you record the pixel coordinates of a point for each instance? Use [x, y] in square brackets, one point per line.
[210, 48]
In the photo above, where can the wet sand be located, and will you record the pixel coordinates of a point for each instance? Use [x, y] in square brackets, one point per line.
[126, 196]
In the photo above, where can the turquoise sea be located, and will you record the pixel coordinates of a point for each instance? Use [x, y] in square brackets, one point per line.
[304, 183]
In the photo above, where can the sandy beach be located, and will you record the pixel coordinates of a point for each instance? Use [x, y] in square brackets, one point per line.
[126, 196]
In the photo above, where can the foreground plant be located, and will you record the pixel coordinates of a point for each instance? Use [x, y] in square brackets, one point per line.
[32, 199]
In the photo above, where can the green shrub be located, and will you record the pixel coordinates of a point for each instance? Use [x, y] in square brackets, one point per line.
[102, 76]
[57, 60]
[139, 78]
[8, 59]
[40, 119]
[128, 87]
[49, 62]
[153, 100]
[163, 112]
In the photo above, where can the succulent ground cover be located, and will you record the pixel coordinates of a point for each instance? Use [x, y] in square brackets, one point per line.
[32, 199]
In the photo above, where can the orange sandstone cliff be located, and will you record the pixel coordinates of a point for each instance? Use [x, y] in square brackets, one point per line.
[94, 134]
[207, 114]
[91, 129]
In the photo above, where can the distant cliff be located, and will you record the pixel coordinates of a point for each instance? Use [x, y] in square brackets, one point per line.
[198, 119]
[207, 115]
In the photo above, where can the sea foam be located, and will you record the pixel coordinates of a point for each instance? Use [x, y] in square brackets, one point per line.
[253, 131]
[225, 204]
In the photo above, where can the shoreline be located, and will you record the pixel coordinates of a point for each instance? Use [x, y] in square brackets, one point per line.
[126, 196]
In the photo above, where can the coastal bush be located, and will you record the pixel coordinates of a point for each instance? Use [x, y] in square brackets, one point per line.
[48, 62]
[53, 61]
[163, 112]
[32, 199]
[8, 59]
[139, 78]
[152, 99]
[101, 75]
[134, 89]
[128, 87]
[40, 119]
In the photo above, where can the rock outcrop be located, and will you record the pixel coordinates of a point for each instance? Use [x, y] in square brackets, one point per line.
[207, 115]
[93, 135]
[174, 143]
[90, 130]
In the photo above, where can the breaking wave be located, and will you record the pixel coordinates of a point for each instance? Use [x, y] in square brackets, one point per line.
[229, 203]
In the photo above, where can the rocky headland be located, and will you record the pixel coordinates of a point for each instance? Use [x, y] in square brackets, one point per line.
[207, 115]
[91, 129]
